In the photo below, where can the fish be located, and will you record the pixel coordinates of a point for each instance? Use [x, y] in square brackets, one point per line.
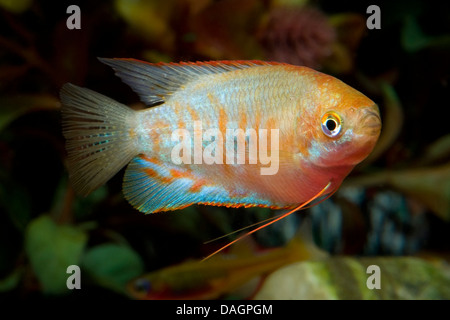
[236, 273]
[325, 128]
[204, 136]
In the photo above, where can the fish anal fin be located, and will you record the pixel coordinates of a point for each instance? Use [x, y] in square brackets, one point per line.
[153, 186]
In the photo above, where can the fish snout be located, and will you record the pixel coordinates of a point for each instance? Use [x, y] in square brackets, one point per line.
[371, 121]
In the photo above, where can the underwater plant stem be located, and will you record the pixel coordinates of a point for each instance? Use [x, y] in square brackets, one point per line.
[32, 58]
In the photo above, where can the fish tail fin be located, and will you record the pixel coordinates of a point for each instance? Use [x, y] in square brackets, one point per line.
[99, 134]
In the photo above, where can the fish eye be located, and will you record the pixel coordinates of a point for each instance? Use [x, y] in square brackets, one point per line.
[331, 124]
[142, 285]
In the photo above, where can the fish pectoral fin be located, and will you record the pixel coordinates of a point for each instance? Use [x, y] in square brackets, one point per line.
[154, 82]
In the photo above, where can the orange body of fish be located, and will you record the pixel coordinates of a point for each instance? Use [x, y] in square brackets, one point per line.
[231, 133]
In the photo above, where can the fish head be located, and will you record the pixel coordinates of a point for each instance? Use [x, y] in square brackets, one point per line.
[148, 287]
[184, 281]
[346, 125]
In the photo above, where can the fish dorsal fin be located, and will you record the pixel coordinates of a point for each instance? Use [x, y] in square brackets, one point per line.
[154, 82]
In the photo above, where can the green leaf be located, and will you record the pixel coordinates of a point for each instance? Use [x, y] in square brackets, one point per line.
[84, 206]
[15, 202]
[431, 186]
[51, 248]
[290, 3]
[16, 6]
[11, 281]
[148, 18]
[405, 278]
[413, 38]
[112, 265]
[437, 151]
[392, 122]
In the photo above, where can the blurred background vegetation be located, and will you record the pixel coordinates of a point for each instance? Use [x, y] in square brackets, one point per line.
[395, 203]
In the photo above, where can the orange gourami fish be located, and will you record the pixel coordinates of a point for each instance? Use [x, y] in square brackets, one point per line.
[305, 128]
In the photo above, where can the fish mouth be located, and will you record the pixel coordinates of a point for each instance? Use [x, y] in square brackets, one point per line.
[371, 121]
